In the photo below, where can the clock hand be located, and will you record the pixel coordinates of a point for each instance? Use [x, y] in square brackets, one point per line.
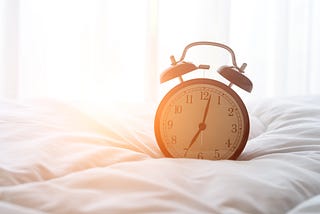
[193, 140]
[202, 126]
[206, 110]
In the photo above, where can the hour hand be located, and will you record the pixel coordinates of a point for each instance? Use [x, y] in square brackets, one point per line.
[192, 141]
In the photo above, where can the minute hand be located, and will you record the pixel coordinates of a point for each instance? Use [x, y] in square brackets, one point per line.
[206, 110]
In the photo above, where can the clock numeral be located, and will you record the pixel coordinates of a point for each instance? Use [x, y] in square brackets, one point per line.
[189, 99]
[169, 124]
[228, 143]
[204, 95]
[174, 139]
[200, 155]
[178, 109]
[230, 146]
[230, 110]
[185, 152]
[217, 154]
[234, 128]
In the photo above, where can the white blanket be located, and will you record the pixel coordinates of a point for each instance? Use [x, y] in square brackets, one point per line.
[55, 158]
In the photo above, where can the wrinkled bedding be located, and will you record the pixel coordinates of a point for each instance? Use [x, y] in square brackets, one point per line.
[57, 157]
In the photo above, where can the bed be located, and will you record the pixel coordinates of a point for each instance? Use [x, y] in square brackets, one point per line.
[57, 157]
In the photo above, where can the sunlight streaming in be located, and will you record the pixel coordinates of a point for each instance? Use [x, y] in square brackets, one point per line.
[96, 54]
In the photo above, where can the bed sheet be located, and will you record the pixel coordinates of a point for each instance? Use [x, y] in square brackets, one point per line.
[56, 157]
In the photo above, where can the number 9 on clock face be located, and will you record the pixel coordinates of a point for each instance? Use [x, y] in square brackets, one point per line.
[203, 119]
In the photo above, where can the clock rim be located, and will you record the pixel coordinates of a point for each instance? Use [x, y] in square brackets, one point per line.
[227, 89]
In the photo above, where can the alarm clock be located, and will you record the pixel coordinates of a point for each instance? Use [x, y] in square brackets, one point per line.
[203, 118]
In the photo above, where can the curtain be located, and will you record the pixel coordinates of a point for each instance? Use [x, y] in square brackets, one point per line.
[105, 50]
[280, 41]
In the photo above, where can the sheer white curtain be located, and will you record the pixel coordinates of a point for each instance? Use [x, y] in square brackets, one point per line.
[278, 39]
[75, 50]
[116, 49]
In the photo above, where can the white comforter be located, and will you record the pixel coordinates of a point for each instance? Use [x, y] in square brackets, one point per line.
[59, 159]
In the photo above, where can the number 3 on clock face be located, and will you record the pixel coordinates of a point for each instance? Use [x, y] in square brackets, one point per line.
[202, 118]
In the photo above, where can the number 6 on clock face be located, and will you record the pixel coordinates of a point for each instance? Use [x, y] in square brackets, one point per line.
[202, 118]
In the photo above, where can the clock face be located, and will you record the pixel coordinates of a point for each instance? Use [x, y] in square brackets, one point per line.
[202, 118]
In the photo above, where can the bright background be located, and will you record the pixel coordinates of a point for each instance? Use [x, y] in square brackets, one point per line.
[101, 51]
